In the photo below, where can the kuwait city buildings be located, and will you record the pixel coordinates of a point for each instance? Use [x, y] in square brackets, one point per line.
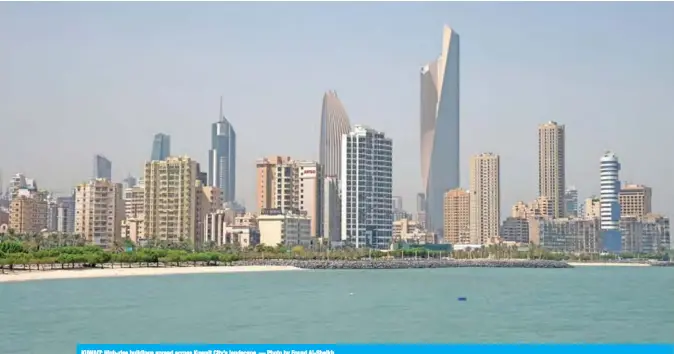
[334, 124]
[440, 128]
[161, 147]
[367, 188]
[222, 158]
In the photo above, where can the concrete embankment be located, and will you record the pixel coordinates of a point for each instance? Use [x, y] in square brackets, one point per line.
[404, 263]
[663, 264]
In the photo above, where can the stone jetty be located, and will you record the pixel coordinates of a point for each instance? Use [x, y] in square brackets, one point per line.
[404, 263]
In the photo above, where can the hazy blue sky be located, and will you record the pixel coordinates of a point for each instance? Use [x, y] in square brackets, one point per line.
[78, 79]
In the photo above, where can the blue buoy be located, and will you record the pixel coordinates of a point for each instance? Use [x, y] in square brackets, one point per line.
[462, 299]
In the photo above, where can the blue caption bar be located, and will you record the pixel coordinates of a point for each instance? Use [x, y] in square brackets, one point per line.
[367, 348]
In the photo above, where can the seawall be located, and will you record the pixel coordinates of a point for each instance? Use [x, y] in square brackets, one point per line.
[404, 263]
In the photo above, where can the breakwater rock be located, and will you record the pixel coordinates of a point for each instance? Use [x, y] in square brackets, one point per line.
[663, 264]
[404, 263]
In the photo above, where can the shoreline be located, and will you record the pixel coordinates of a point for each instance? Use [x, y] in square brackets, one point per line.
[84, 273]
[608, 264]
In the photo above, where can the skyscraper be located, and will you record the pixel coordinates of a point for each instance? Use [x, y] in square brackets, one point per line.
[102, 168]
[485, 197]
[161, 147]
[334, 124]
[551, 166]
[571, 202]
[366, 185]
[440, 169]
[222, 158]
[609, 167]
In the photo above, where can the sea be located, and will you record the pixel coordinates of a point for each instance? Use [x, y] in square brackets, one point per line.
[580, 305]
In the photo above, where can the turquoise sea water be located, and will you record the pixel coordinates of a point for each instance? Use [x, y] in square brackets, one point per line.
[589, 305]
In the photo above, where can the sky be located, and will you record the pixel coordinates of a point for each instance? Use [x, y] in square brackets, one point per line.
[78, 79]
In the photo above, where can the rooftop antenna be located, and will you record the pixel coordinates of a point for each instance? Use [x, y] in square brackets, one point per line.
[222, 117]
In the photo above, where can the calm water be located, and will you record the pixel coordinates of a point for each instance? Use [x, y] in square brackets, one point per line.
[504, 305]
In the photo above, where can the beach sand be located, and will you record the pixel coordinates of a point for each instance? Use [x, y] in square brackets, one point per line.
[600, 264]
[17, 276]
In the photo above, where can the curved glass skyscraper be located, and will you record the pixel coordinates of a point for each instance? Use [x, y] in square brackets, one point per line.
[334, 124]
[222, 158]
[440, 169]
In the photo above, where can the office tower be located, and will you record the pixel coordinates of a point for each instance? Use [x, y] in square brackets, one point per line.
[440, 168]
[366, 186]
[170, 209]
[609, 202]
[457, 216]
[635, 200]
[99, 212]
[334, 124]
[292, 186]
[331, 210]
[222, 158]
[485, 197]
[571, 202]
[161, 147]
[102, 168]
[551, 166]
[28, 212]
[65, 214]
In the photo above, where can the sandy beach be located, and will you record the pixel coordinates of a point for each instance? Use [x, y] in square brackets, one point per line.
[17, 276]
[599, 264]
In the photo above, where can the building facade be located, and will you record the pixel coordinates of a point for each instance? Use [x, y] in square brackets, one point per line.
[571, 202]
[367, 188]
[331, 210]
[635, 200]
[99, 211]
[440, 166]
[648, 234]
[334, 124]
[515, 229]
[288, 229]
[566, 235]
[102, 168]
[28, 212]
[161, 147]
[485, 197]
[551, 165]
[609, 168]
[457, 216]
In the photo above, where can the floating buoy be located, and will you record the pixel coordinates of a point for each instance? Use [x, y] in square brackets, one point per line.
[462, 298]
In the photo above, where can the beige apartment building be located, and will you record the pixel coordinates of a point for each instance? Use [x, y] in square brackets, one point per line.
[284, 228]
[541, 207]
[292, 186]
[171, 198]
[99, 210]
[485, 197]
[635, 200]
[551, 165]
[457, 216]
[266, 180]
[592, 208]
[28, 212]
[134, 201]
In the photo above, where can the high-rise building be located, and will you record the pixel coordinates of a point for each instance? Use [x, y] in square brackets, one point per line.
[367, 188]
[440, 168]
[551, 166]
[571, 202]
[485, 197]
[102, 168]
[334, 124]
[170, 208]
[161, 147]
[331, 210]
[99, 210]
[457, 216]
[609, 202]
[28, 212]
[222, 158]
[65, 214]
[292, 186]
[635, 200]
[134, 201]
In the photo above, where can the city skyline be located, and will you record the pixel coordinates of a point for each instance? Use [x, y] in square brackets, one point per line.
[586, 98]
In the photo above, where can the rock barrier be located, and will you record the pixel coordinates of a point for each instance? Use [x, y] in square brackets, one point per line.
[404, 263]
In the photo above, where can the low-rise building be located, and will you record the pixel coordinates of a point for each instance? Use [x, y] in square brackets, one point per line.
[515, 230]
[647, 234]
[566, 235]
[289, 229]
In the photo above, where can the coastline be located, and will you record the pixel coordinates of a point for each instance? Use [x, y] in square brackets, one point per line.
[608, 264]
[21, 276]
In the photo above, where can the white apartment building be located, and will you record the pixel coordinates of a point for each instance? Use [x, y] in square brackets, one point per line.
[284, 228]
[134, 201]
[366, 186]
[485, 198]
[99, 210]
